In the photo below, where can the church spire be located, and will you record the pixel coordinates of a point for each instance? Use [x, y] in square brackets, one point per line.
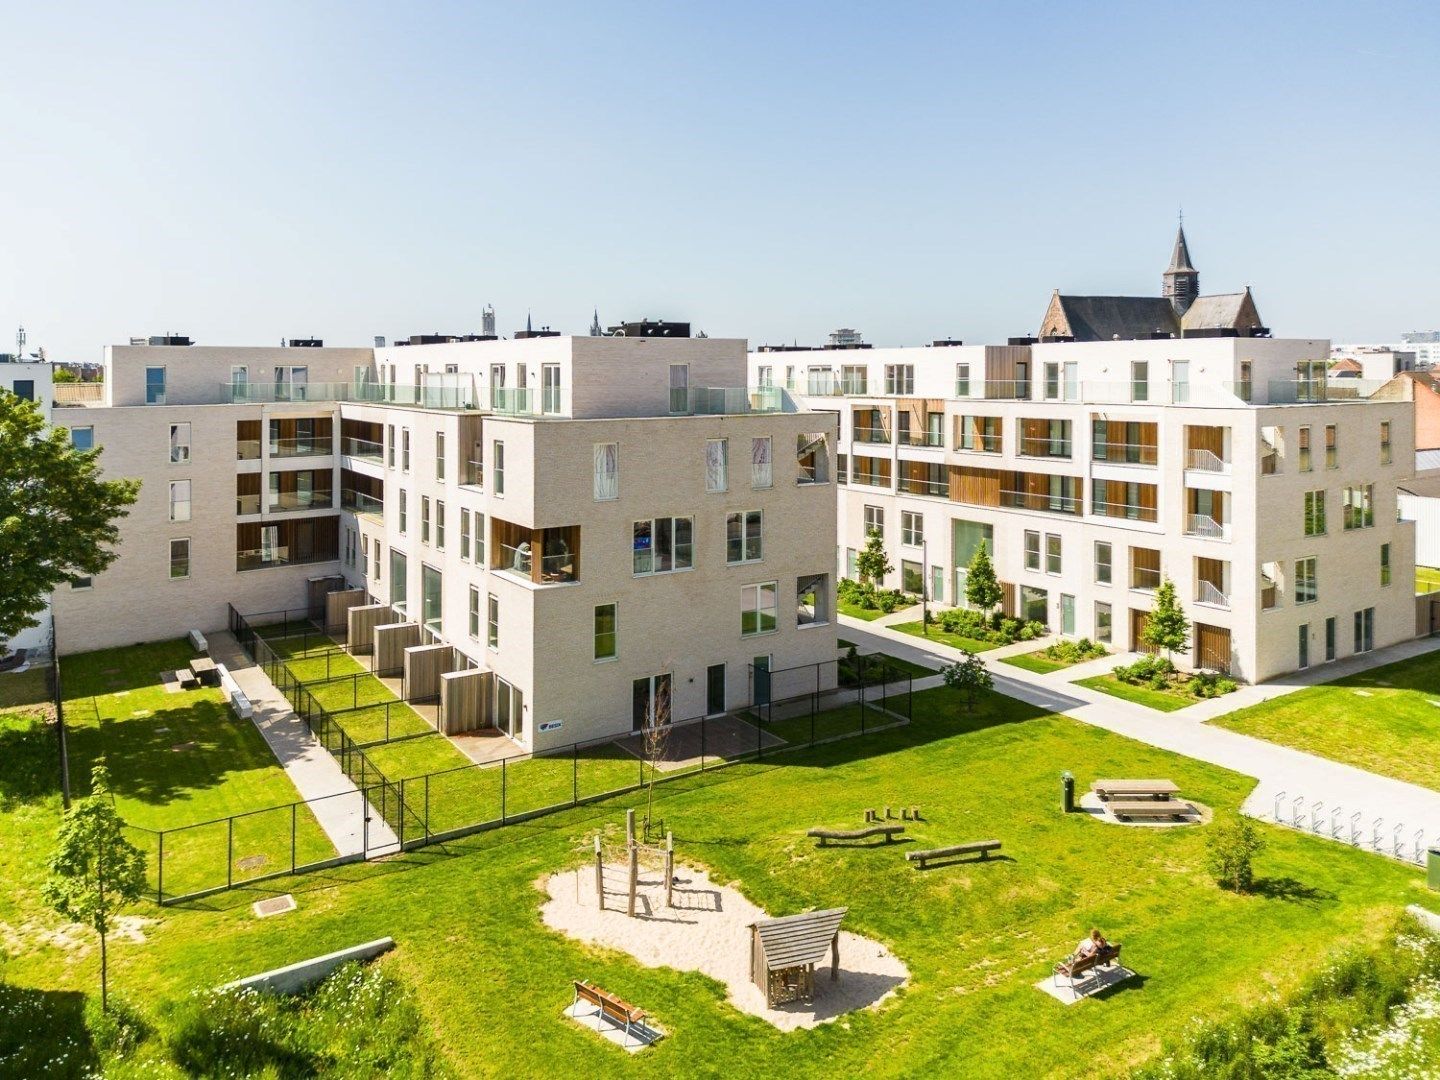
[595, 330]
[1181, 279]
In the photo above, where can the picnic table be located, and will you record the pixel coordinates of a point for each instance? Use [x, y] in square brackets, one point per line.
[1134, 789]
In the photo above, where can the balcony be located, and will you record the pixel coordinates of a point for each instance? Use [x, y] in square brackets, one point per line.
[247, 449]
[932, 439]
[360, 502]
[1205, 526]
[1045, 448]
[302, 447]
[1119, 453]
[871, 435]
[730, 400]
[535, 556]
[1207, 592]
[1126, 511]
[1206, 461]
[472, 474]
[980, 444]
[366, 449]
[1039, 500]
[277, 555]
[247, 504]
[1269, 595]
[935, 489]
[870, 479]
[1007, 389]
[291, 502]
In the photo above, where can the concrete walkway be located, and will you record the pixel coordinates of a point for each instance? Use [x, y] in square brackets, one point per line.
[1331, 793]
[337, 803]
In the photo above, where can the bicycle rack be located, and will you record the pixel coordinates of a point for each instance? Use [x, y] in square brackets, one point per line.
[1395, 837]
[1315, 816]
[1420, 846]
[1335, 823]
[1295, 811]
[1355, 828]
[1375, 839]
[1278, 800]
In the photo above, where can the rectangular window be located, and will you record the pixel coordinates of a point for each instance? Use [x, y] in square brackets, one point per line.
[1052, 553]
[1332, 447]
[474, 613]
[492, 632]
[1357, 507]
[852, 564]
[1306, 589]
[439, 455]
[550, 389]
[179, 559]
[765, 376]
[424, 519]
[962, 380]
[24, 389]
[875, 520]
[790, 377]
[743, 539]
[680, 388]
[404, 517]
[399, 581]
[1384, 565]
[1303, 444]
[154, 386]
[899, 378]
[390, 446]
[439, 524]
[1103, 631]
[662, 545]
[855, 379]
[82, 583]
[1032, 550]
[364, 554]
[1103, 563]
[82, 438]
[759, 608]
[405, 449]
[607, 631]
[607, 471]
[179, 444]
[464, 533]
[912, 577]
[1139, 380]
[717, 458]
[179, 500]
[376, 564]
[1386, 454]
[1052, 381]
[1330, 639]
[1302, 647]
[432, 595]
[497, 467]
[812, 600]
[760, 464]
[1315, 513]
[912, 528]
[479, 539]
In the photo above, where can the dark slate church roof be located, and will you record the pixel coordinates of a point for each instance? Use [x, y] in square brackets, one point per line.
[1103, 318]
[1220, 312]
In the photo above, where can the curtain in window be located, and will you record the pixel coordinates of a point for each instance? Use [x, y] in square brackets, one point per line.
[760, 462]
[715, 465]
[607, 471]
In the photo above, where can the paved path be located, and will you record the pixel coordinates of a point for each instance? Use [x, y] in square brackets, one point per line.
[341, 809]
[1279, 770]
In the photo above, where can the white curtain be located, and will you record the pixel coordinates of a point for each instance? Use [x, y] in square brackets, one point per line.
[715, 465]
[760, 463]
[607, 471]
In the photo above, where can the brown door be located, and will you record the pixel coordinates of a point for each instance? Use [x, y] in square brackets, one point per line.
[1138, 619]
[1212, 647]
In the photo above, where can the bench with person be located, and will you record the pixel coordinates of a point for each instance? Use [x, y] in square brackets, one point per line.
[982, 847]
[614, 1009]
[1093, 952]
[887, 831]
[1134, 789]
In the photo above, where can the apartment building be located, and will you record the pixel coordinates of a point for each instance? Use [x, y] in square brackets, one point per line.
[606, 530]
[31, 379]
[1093, 469]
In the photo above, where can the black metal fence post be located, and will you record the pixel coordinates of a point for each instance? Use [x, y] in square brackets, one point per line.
[575, 778]
[294, 814]
[502, 790]
[230, 853]
[160, 869]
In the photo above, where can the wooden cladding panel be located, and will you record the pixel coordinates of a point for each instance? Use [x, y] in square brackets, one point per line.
[976, 487]
[1206, 438]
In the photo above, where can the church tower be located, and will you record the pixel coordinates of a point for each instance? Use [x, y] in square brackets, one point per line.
[1182, 281]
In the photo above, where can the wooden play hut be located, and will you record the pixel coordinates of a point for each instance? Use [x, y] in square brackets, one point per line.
[784, 952]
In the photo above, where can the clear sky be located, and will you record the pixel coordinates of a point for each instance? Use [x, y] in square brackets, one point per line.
[769, 171]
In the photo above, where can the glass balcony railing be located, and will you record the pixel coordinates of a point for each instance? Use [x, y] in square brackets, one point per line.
[291, 502]
[868, 479]
[247, 504]
[938, 489]
[367, 449]
[934, 439]
[1039, 500]
[1127, 511]
[277, 555]
[313, 447]
[980, 444]
[1143, 579]
[519, 561]
[472, 474]
[871, 435]
[247, 449]
[361, 502]
[1046, 448]
[1112, 453]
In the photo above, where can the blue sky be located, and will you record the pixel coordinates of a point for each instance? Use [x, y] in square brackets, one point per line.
[766, 171]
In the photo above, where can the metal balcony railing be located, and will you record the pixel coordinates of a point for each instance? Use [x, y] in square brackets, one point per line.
[1206, 461]
[1208, 593]
[870, 479]
[871, 435]
[1206, 526]
[1128, 511]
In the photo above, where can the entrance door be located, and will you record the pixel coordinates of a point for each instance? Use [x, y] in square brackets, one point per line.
[1303, 651]
[715, 689]
[1067, 614]
[1330, 639]
[760, 666]
[937, 584]
[1138, 619]
[650, 702]
[1212, 647]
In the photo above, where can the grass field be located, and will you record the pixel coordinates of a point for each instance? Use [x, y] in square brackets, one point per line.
[1386, 720]
[1427, 579]
[955, 641]
[1162, 700]
[870, 666]
[855, 611]
[975, 937]
[1037, 662]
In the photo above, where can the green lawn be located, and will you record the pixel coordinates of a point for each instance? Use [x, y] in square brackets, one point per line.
[1427, 579]
[1037, 662]
[1386, 720]
[871, 665]
[936, 634]
[26, 689]
[975, 937]
[855, 611]
[180, 759]
[1163, 700]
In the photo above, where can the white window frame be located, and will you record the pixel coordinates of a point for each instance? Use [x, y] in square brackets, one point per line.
[180, 509]
[717, 466]
[607, 471]
[180, 448]
[751, 530]
[654, 523]
[1033, 550]
[912, 528]
[492, 622]
[474, 613]
[186, 575]
[753, 593]
[762, 463]
[465, 534]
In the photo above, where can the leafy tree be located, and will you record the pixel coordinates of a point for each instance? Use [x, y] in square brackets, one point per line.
[982, 588]
[64, 375]
[872, 564]
[1230, 851]
[95, 871]
[969, 675]
[57, 517]
[1167, 628]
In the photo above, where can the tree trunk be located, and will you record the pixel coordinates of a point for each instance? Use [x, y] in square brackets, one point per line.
[104, 987]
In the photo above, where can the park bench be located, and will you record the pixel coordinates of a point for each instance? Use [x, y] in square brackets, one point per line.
[1149, 808]
[887, 831]
[611, 1007]
[1074, 966]
[982, 847]
[1134, 789]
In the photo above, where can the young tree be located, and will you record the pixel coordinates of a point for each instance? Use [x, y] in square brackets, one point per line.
[982, 588]
[95, 871]
[1230, 851]
[872, 564]
[969, 675]
[57, 517]
[1167, 628]
[656, 738]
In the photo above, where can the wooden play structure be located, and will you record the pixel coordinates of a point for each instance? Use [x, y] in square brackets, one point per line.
[975, 847]
[784, 952]
[889, 832]
[633, 854]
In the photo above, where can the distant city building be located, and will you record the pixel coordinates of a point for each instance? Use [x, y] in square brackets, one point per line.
[1421, 337]
[845, 337]
[1424, 355]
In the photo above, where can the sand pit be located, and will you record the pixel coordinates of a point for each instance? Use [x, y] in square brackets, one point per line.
[707, 931]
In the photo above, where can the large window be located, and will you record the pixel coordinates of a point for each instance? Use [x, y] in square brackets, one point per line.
[607, 471]
[912, 528]
[179, 559]
[1357, 505]
[179, 444]
[1306, 588]
[1365, 630]
[154, 386]
[759, 608]
[550, 389]
[179, 500]
[399, 581]
[1032, 550]
[854, 379]
[607, 631]
[492, 621]
[717, 457]
[912, 577]
[761, 469]
[431, 597]
[1315, 513]
[662, 545]
[680, 388]
[743, 539]
[1104, 566]
[875, 520]
[899, 378]
[1103, 629]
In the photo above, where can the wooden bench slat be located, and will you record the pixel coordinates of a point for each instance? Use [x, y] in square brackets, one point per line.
[1151, 808]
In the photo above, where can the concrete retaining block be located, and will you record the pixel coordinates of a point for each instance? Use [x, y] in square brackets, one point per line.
[297, 978]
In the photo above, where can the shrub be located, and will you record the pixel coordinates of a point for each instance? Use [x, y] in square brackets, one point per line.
[1229, 852]
[1075, 652]
[968, 675]
[1146, 670]
[888, 601]
[119, 1031]
[1207, 684]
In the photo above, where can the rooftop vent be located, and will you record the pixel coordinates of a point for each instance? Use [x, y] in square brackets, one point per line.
[167, 339]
